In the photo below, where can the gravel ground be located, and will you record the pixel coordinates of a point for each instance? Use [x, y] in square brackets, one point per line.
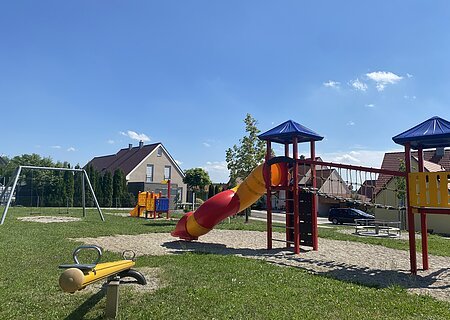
[345, 260]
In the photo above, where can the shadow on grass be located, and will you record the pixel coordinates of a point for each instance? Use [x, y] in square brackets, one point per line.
[159, 224]
[84, 308]
[435, 281]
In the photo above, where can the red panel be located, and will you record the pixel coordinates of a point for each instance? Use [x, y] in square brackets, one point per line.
[217, 208]
[180, 229]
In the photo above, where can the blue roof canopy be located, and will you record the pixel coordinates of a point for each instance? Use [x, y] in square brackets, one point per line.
[432, 133]
[285, 133]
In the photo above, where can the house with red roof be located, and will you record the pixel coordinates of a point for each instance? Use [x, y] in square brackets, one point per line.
[435, 160]
[146, 168]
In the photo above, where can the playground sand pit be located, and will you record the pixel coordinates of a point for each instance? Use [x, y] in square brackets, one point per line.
[48, 219]
[344, 260]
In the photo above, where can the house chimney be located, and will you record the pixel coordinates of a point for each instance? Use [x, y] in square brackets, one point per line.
[141, 144]
[130, 145]
[440, 152]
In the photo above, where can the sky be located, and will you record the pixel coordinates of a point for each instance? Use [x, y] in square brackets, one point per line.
[80, 79]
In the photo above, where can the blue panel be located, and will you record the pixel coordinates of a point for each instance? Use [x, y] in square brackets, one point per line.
[285, 133]
[162, 205]
[432, 133]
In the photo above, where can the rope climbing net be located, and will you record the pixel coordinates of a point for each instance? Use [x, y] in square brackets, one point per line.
[355, 184]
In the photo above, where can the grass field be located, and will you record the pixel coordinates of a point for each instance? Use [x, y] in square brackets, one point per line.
[196, 286]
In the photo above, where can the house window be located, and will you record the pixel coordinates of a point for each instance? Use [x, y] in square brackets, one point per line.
[167, 172]
[149, 175]
[159, 152]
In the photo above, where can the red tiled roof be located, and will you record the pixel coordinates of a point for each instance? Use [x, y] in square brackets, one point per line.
[392, 160]
[126, 159]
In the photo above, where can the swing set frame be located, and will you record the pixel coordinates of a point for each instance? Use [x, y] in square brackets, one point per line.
[15, 178]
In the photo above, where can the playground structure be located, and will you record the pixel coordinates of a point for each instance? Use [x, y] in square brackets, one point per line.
[153, 204]
[298, 178]
[78, 276]
[15, 179]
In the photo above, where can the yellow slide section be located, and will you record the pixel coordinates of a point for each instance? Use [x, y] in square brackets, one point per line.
[253, 187]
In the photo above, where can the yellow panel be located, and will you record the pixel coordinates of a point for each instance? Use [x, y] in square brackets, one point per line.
[433, 190]
[423, 190]
[437, 190]
[412, 190]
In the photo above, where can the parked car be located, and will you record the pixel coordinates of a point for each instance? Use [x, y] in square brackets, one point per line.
[347, 215]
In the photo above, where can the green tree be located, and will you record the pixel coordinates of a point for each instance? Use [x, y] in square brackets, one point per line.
[249, 153]
[197, 179]
[400, 184]
[118, 190]
[210, 191]
[217, 189]
[107, 189]
[78, 192]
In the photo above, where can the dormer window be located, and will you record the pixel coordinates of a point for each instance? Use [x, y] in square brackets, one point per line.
[159, 152]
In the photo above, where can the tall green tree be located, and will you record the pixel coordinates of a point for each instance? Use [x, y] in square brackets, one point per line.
[210, 191]
[118, 189]
[78, 192]
[197, 179]
[107, 189]
[247, 154]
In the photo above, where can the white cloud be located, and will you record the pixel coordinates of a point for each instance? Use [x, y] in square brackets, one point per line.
[55, 147]
[206, 144]
[383, 78]
[179, 162]
[369, 105]
[110, 141]
[135, 136]
[409, 75]
[358, 85]
[217, 171]
[409, 97]
[350, 123]
[332, 84]
[70, 149]
[368, 158]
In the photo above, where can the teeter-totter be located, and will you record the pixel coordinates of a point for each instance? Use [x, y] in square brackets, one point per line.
[77, 276]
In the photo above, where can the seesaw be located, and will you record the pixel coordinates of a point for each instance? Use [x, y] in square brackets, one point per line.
[78, 276]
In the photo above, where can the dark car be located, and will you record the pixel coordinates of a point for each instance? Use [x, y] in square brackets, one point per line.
[347, 215]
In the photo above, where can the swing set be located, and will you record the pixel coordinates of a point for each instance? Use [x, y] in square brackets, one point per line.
[10, 188]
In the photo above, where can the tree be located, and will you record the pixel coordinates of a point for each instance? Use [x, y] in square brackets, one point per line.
[107, 189]
[400, 184]
[196, 179]
[118, 190]
[249, 153]
[210, 191]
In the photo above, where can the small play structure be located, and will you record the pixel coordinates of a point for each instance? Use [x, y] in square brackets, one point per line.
[78, 276]
[302, 180]
[152, 205]
[12, 184]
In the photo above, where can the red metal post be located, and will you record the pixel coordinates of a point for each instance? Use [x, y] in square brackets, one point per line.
[411, 227]
[315, 233]
[168, 196]
[423, 221]
[268, 180]
[295, 197]
[287, 203]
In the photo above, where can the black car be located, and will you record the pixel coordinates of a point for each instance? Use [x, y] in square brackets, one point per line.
[347, 215]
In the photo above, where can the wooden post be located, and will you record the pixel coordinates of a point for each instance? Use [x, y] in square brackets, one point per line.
[411, 227]
[315, 232]
[423, 220]
[295, 192]
[268, 179]
[112, 299]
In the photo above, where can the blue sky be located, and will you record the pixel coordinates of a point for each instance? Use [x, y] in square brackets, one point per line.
[85, 78]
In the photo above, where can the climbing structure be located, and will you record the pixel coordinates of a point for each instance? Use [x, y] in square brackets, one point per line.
[428, 192]
[301, 213]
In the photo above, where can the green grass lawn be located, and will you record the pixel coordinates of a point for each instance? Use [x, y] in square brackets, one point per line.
[197, 286]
